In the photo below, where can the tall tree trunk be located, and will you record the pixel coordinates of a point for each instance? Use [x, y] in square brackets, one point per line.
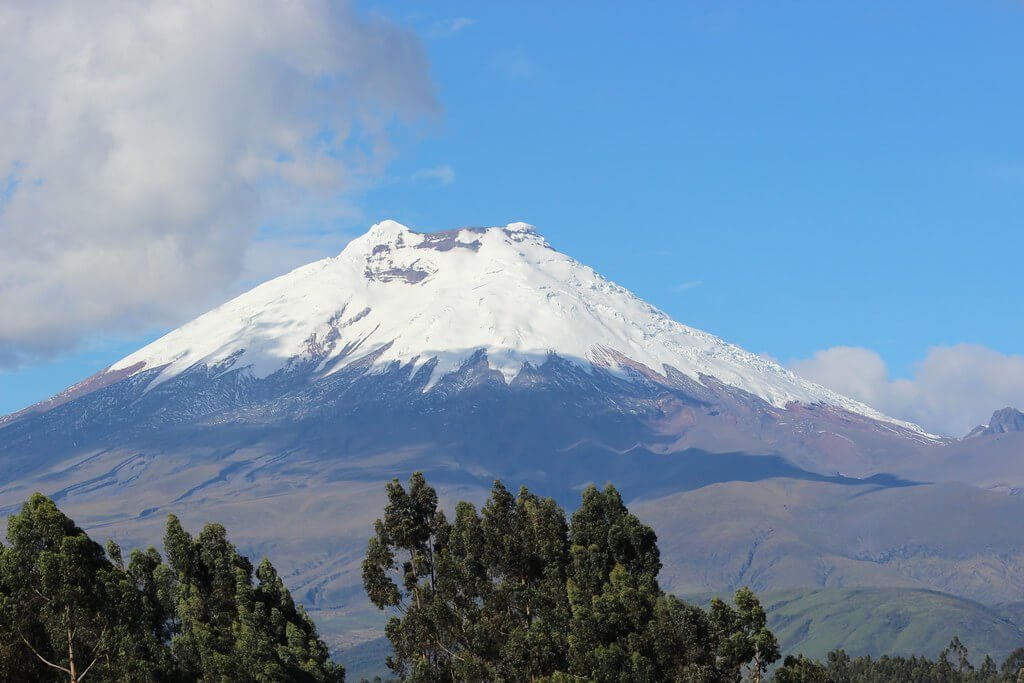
[72, 673]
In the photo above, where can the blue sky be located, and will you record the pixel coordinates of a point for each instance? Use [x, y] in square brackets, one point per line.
[790, 176]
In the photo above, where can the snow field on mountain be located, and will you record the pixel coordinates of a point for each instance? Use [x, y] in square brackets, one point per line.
[414, 296]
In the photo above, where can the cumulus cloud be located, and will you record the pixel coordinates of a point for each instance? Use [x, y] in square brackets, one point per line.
[954, 388]
[146, 143]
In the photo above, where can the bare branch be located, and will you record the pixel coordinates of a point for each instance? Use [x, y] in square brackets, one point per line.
[82, 677]
[450, 653]
[98, 652]
[43, 659]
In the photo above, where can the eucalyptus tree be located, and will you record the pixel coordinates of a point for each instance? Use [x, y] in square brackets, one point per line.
[226, 626]
[514, 592]
[68, 610]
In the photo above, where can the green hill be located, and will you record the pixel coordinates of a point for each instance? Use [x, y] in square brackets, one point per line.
[366, 660]
[879, 621]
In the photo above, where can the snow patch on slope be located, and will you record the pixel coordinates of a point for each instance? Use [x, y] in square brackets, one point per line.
[400, 296]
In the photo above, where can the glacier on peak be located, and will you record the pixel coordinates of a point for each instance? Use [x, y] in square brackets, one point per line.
[394, 295]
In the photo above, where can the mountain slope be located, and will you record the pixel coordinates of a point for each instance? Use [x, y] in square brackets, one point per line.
[435, 317]
[483, 353]
[784, 533]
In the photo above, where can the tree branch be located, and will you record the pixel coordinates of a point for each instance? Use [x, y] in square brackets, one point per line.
[446, 650]
[43, 659]
[82, 677]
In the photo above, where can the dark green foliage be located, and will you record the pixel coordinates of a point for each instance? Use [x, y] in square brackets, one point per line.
[525, 541]
[745, 645]
[800, 669]
[1013, 667]
[613, 589]
[482, 598]
[66, 610]
[228, 628]
[207, 571]
[410, 540]
[70, 611]
[952, 666]
[684, 644]
[516, 593]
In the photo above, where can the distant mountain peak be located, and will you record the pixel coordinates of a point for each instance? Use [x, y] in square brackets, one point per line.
[1003, 421]
[433, 300]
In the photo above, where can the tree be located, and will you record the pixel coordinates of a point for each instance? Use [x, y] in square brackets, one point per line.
[525, 542]
[17, 661]
[988, 671]
[225, 627]
[204, 594]
[801, 669]
[956, 657]
[75, 612]
[681, 636]
[515, 593]
[482, 598]
[838, 664]
[745, 642]
[612, 589]
[71, 610]
[408, 541]
[1013, 667]
[952, 666]
[275, 639]
[157, 584]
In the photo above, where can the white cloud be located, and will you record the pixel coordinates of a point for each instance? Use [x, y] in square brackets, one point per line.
[687, 286]
[146, 143]
[953, 389]
[444, 175]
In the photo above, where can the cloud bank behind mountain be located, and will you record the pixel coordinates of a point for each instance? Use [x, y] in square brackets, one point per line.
[952, 390]
[146, 143]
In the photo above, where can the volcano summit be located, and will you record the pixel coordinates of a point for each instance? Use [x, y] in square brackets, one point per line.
[430, 302]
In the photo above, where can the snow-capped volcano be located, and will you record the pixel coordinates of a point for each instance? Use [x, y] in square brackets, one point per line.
[395, 296]
[480, 354]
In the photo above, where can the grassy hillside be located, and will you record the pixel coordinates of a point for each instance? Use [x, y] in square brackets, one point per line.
[880, 621]
[366, 660]
[783, 534]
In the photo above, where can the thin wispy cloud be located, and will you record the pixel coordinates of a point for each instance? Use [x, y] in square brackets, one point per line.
[443, 175]
[687, 286]
[515, 65]
[146, 144]
[446, 28]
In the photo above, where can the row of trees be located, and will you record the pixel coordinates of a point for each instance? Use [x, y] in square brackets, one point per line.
[952, 666]
[518, 592]
[70, 611]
